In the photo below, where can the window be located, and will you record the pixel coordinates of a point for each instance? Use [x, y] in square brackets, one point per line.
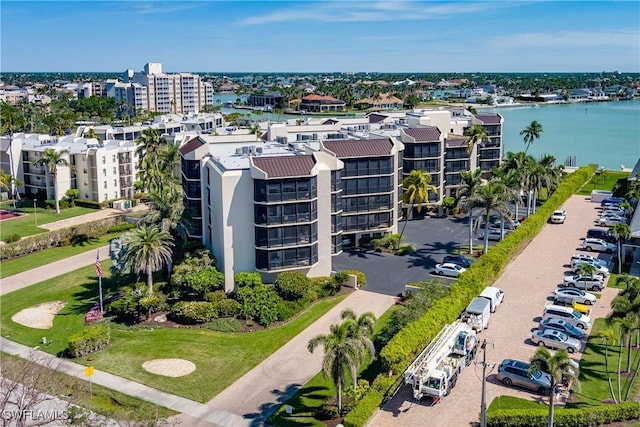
[105, 184]
[104, 160]
[114, 171]
[113, 158]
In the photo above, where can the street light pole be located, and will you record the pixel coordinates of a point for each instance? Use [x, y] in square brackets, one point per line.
[485, 365]
[35, 212]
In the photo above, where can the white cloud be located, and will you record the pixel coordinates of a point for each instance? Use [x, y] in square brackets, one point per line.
[162, 7]
[361, 11]
[563, 39]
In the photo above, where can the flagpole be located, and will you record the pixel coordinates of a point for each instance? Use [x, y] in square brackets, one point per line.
[99, 273]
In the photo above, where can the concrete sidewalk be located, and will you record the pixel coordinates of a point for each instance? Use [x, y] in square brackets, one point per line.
[196, 410]
[51, 270]
[93, 216]
[262, 390]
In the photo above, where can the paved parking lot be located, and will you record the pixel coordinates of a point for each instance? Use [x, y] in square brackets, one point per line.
[527, 281]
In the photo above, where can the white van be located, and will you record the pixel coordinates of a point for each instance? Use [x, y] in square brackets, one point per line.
[494, 295]
[477, 314]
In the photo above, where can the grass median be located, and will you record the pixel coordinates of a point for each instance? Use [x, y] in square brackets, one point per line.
[28, 224]
[220, 358]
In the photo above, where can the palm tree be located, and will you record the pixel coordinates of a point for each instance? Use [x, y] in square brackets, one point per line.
[470, 182]
[516, 164]
[587, 270]
[416, 192]
[148, 146]
[476, 134]
[148, 249]
[166, 211]
[531, 133]
[608, 337]
[344, 350]
[91, 133]
[559, 366]
[621, 232]
[51, 159]
[362, 330]
[491, 197]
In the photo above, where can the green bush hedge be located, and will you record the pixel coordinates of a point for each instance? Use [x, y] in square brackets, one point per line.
[409, 341]
[120, 228]
[362, 278]
[591, 416]
[89, 340]
[12, 238]
[88, 204]
[62, 237]
[193, 312]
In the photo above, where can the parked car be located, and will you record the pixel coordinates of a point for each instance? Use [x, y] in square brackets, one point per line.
[599, 233]
[553, 338]
[580, 308]
[598, 245]
[568, 314]
[558, 217]
[562, 326]
[612, 201]
[615, 210]
[461, 260]
[574, 294]
[610, 221]
[591, 258]
[598, 269]
[591, 283]
[495, 234]
[508, 224]
[449, 269]
[516, 373]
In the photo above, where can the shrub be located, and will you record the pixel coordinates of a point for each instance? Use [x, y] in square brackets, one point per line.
[50, 204]
[12, 238]
[406, 249]
[89, 340]
[120, 228]
[288, 309]
[259, 303]
[247, 279]
[388, 241]
[228, 308]
[88, 204]
[360, 276]
[215, 296]
[193, 312]
[292, 285]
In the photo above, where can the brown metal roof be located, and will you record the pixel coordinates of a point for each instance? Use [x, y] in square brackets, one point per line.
[192, 145]
[456, 141]
[284, 166]
[426, 134]
[346, 148]
[489, 119]
[376, 118]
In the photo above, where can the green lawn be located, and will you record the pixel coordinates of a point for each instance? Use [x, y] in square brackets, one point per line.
[37, 259]
[100, 400]
[510, 402]
[220, 358]
[26, 224]
[311, 396]
[603, 181]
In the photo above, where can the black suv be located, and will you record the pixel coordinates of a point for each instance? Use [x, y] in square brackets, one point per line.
[460, 260]
[599, 233]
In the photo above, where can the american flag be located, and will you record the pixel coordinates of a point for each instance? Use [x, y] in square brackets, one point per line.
[98, 266]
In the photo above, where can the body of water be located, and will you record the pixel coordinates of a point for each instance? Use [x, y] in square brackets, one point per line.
[603, 133]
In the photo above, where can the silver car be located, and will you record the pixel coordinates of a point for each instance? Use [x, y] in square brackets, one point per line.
[591, 283]
[553, 338]
[449, 269]
[574, 294]
[599, 269]
[591, 258]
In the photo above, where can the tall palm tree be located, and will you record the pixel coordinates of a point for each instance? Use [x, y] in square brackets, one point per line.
[148, 249]
[148, 147]
[621, 232]
[470, 182]
[559, 366]
[531, 133]
[344, 352]
[416, 192]
[51, 159]
[516, 164]
[166, 211]
[362, 330]
[492, 197]
[608, 336]
[10, 121]
[476, 135]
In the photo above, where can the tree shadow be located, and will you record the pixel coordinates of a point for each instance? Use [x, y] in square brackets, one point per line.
[363, 253]
[293, 394]
[82, 240]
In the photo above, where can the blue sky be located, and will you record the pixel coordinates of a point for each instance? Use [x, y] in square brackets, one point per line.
[321, 36]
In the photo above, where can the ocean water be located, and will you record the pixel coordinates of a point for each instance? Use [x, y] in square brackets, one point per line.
[603, 133]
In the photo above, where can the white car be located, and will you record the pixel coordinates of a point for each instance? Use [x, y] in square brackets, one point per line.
[598, 269]
[615, 210]
[495, 234]
[558, 217]
[598, 245]
[574, 294]
[594, 283]
[449, 269]
[590, 258]
[611, 220]
[553, 338]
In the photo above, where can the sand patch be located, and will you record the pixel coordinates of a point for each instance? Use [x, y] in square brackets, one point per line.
[39, 317]
[169, 367]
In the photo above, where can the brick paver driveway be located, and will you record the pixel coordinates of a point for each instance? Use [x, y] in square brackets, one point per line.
[527, 281]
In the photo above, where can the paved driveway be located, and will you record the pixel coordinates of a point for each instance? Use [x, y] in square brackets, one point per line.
[527, 281]
[388, 274]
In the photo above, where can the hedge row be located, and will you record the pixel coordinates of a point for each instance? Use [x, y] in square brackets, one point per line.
[62, 237]
[591, 416]
[89, 339]
[91, 204]
[409, 341]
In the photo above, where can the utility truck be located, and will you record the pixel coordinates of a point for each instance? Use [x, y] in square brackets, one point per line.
[435, 371]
